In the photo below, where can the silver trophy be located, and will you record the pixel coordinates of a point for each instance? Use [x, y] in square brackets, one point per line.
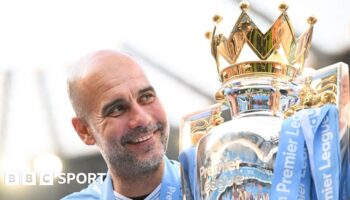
[228, 150]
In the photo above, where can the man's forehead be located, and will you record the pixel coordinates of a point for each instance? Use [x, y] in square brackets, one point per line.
[105, 62]
[112, 76]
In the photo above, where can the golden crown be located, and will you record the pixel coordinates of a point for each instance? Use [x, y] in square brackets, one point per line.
[278, 51]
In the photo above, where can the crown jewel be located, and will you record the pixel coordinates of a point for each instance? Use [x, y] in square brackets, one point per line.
[278, 51]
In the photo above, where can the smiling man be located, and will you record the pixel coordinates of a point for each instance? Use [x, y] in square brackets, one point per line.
[118, 110]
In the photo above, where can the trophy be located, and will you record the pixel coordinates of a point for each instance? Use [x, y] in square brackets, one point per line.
[273, 133]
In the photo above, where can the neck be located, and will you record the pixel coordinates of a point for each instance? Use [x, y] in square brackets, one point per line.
[137, 185]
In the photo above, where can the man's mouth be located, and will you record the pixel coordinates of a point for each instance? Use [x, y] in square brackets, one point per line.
[141, 139]
[141, 135]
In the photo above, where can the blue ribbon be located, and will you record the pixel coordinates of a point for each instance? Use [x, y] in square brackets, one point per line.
[345, 178]
[326, 149]
[187, 159]
[319, 175]
[171, 182]
[305, 182]
[288, 168]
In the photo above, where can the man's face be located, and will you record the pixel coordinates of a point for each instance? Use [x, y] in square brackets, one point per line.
[125, 117]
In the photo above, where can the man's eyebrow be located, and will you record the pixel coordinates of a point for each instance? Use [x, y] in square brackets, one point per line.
[106, 107]
[150, 88]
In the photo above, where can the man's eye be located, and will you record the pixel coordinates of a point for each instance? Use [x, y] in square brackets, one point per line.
[147, 98]
[116, 110]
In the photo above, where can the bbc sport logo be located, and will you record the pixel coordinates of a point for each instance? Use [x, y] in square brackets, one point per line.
[49, 178]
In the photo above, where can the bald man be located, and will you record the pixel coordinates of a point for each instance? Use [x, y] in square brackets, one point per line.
[118, 110]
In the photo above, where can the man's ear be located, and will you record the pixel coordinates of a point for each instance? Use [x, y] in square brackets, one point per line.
[83, 131]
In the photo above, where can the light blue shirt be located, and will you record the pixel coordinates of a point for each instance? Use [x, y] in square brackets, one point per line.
[103, 189]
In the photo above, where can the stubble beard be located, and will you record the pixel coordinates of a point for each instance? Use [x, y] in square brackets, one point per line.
[125, 163]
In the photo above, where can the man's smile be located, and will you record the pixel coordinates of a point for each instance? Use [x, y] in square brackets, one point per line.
[141, 139]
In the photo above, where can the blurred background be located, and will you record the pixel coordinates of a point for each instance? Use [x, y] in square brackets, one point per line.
[41, 39]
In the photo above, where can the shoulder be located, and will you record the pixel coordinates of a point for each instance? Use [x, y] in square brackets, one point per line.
[171, 182]
[174, 163]
[91, 192]
[172, 170]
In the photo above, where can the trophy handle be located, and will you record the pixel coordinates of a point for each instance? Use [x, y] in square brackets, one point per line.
[197, 124]
[330, 85]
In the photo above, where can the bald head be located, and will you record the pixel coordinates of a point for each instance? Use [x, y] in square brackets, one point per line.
[95, 68]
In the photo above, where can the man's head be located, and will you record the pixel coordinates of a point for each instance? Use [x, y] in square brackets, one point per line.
[118, 110]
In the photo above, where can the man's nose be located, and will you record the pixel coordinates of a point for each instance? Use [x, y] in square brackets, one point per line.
[139, 116]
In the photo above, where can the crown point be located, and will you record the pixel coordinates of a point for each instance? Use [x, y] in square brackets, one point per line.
[208, 35]
[283, 7]
[244, 5]
[217, 19]
[312, 20]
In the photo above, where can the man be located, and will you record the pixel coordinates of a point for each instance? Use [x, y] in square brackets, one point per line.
[118, 110]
